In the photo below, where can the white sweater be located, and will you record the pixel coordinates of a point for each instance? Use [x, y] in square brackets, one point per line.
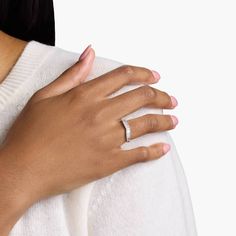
[146, 199]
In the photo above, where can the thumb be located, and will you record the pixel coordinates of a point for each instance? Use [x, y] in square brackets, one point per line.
[69, 79]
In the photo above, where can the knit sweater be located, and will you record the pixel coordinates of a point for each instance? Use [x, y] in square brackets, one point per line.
[144, 199]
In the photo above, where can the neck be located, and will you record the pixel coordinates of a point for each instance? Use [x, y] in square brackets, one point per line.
[10, 50]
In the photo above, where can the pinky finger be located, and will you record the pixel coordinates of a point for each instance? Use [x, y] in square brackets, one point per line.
[142, 154]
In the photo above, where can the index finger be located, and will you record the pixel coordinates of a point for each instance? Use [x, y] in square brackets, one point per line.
[114, 80]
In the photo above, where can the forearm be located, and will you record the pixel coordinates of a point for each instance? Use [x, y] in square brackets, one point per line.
[13, 199]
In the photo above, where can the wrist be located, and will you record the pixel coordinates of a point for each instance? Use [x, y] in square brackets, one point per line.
[14, 197]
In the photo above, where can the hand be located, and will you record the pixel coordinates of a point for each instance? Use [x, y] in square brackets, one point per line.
[70, 133]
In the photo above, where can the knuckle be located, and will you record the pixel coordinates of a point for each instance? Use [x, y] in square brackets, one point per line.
[148, 92]
[143, 153]
[151, 122]
[128, 70]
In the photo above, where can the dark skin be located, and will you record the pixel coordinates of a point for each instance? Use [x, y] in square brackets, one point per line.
[82, 142]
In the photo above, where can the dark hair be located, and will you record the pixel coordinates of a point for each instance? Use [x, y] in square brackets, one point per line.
[28, 20]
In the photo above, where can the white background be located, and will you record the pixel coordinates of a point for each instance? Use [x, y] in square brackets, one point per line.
[192, 44]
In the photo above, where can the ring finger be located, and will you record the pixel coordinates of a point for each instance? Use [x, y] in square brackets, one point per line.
[148, 124]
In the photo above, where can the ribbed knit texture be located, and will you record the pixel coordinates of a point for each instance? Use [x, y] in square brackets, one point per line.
[145, 199]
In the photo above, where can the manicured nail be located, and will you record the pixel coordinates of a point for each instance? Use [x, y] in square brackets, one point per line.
[166, 148]
[156, 75]
[174, 101]
[85, 52]
[174, 120]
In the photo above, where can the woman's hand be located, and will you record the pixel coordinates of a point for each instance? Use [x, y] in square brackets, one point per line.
[70, 133]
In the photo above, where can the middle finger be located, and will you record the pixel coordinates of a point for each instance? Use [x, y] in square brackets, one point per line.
[147, 96]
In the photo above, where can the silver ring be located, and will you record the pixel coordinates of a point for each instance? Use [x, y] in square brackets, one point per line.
[127, 130]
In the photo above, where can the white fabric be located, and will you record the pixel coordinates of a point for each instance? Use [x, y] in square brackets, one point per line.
[145, 199]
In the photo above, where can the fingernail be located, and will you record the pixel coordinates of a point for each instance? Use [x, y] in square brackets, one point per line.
[174, 101]
[85, 52]
[166, 148]
[156, 75]
[174, 120]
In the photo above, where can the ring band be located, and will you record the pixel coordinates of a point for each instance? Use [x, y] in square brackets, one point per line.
[127, 129]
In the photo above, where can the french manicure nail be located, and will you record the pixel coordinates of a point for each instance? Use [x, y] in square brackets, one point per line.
[174, 101]
[156, 75]
[85, 52]
[174, 120]
[166, 148]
